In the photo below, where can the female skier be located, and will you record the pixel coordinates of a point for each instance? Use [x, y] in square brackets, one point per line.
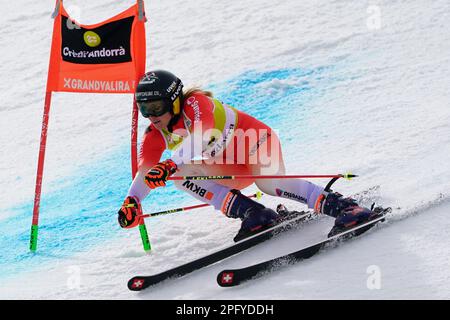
[209, 137]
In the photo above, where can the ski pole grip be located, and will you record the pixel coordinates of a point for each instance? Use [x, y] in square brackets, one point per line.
[347, 176]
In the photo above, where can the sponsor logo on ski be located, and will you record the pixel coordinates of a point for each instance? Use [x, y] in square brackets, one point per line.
[138, 283]
[227, 277]
[198, 190]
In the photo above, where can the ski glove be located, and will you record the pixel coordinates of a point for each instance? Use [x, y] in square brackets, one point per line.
[129, 213]
[158, 174]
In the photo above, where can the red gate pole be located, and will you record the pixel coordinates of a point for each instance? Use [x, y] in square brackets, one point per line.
[134, 134]
[134, 167]
[40, 172]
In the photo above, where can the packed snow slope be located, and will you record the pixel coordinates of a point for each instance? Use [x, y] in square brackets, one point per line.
[360, 86]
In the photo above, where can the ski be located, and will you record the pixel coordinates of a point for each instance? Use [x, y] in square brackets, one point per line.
[291, 219]
[230, 278]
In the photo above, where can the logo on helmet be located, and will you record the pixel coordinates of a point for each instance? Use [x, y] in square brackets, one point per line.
[176, 93]
[92, 39]
[149, 78]
[171, 87]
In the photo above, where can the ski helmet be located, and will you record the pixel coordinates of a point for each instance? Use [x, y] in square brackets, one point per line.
[158, 92]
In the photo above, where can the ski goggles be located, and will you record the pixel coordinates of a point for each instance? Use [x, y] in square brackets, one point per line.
[154, 108]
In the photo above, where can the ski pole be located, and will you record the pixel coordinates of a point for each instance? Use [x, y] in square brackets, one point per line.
[257, 195]
[347, 176]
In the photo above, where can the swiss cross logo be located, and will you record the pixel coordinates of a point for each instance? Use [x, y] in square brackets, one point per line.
[227, 277]
[138, 283]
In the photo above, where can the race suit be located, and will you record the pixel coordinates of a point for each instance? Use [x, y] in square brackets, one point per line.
[213, 138]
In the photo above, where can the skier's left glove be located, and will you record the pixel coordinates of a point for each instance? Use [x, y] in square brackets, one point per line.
[129, 213]
[158, 174]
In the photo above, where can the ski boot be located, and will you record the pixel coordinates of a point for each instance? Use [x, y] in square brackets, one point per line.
[347, 212]
[255, 217]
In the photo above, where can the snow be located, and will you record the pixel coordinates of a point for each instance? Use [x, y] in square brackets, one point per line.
[345, 94]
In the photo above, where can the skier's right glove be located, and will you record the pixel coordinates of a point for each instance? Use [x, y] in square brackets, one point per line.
[129, 212]
[159, 173]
